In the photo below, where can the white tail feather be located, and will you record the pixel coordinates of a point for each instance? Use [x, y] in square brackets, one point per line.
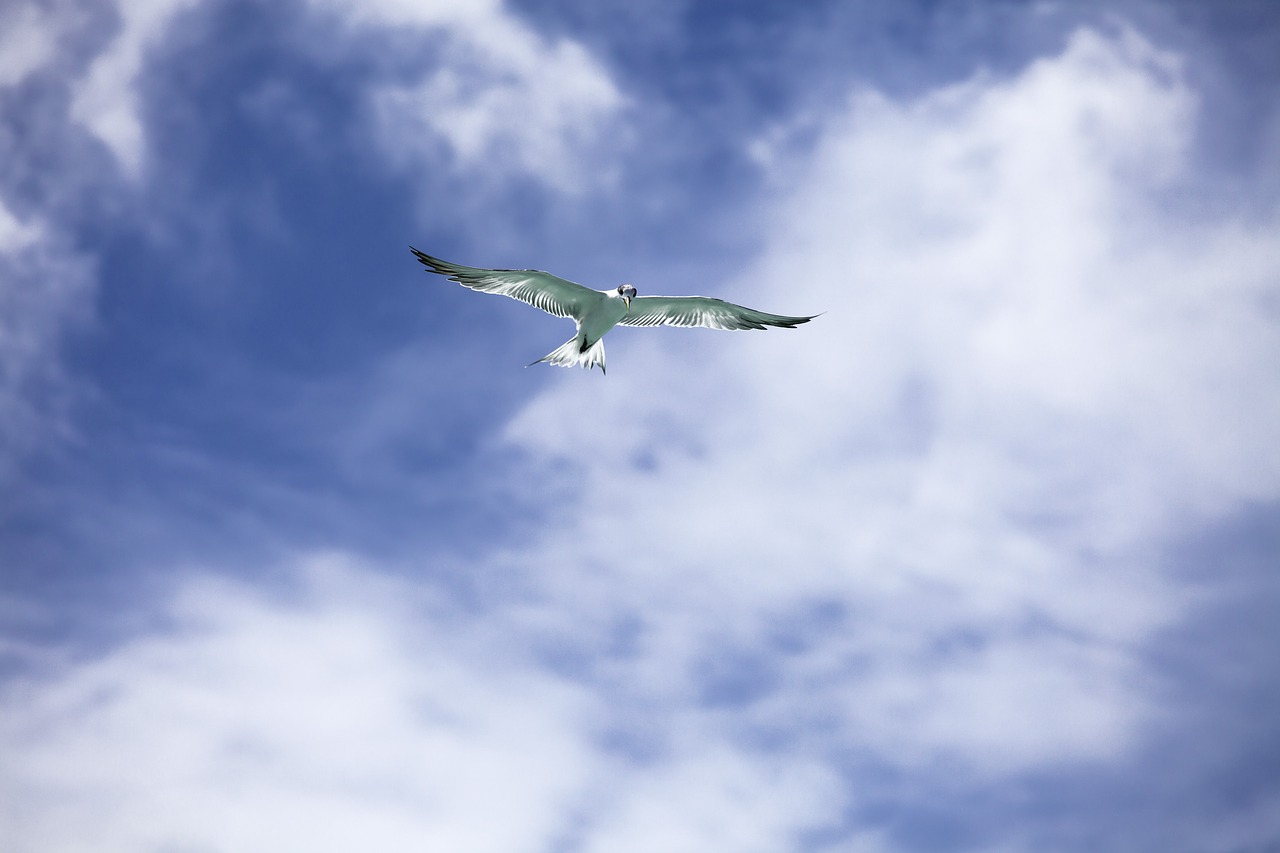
[569, 354]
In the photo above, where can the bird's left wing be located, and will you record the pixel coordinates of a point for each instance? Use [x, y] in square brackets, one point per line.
[552, 294]
[702, 311]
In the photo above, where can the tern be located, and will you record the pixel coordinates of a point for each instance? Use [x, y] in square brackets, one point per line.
[597, 311]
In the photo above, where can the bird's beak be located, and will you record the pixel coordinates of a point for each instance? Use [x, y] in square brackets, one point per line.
[627, 299]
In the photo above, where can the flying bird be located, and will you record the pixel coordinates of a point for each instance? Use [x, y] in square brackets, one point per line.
[597, 311]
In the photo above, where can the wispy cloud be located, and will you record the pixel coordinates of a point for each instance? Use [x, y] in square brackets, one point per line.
[505, 100]
[106, 100]
[500, 96]
[43, 292]
[15, 234]
[27, 42]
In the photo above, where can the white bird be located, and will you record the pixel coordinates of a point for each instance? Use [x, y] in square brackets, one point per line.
[598, 311]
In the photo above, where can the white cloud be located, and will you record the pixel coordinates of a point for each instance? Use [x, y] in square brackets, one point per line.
[27, 42]
[533, 111]
[408, 13]
[106, 100]
[502, 99]
[43, 292]
[352, 712]
[349, 717]
[1031, 378]
[716, 800]
[15, 234]
[505, 100]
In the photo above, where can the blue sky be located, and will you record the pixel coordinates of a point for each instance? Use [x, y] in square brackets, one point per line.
[295, 554]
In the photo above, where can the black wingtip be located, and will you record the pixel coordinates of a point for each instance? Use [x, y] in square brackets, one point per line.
[435, 265]
[429, 262]
[788, 322]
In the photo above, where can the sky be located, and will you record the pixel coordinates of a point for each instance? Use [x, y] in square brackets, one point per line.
[295, 553]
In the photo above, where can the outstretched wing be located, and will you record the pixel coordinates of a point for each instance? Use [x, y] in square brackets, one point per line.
[543, 290]
[702, 311]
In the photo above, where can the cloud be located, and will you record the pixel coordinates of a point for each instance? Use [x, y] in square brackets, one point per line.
[346, 710]
[924, 539]
[106, 100]
[535, 110]
[328, 721]
[1015, 235]
[716, 799]
[43, 293]
[15, 235]
[505, 101]
[27, 43]
[502, 98]
[1032, 376]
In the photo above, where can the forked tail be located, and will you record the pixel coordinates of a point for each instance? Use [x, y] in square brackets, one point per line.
[571, 352]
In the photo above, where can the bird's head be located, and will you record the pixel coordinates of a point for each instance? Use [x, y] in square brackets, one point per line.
[627, 292]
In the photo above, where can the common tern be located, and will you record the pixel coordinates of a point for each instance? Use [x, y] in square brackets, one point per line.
[597, 311]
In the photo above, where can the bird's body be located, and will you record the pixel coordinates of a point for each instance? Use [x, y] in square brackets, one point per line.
[598, 311]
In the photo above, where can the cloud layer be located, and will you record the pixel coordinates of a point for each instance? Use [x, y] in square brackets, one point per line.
[349, 711]
[1029, 380]
[501, 98]
[837, 588]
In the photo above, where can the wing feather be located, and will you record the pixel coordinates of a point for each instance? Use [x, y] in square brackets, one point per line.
[550, 293]
[703, 311]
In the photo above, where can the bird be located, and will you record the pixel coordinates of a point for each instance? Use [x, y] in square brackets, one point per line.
[597, 311]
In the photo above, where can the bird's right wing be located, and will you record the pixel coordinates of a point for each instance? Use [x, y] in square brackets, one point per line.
[702, 311]
[552, 294]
